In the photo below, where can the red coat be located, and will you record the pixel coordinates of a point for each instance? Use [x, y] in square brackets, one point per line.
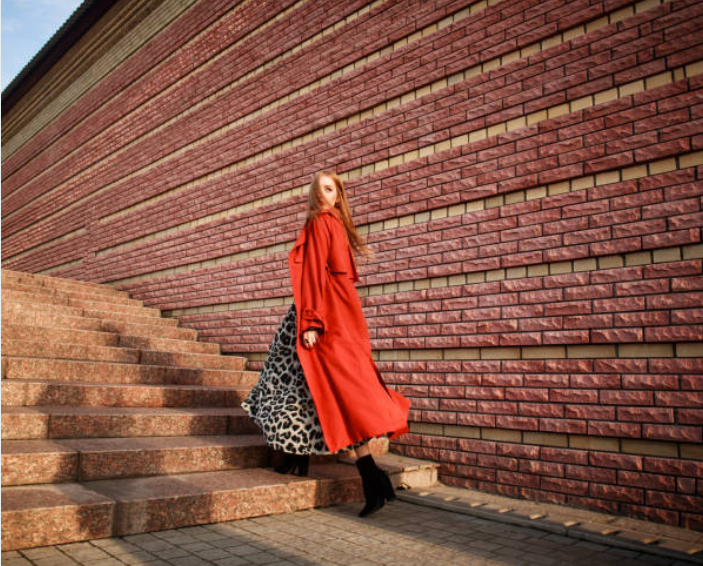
[351, 399]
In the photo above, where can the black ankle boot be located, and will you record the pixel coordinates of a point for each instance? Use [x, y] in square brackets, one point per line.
[376, 484]
[291, 462]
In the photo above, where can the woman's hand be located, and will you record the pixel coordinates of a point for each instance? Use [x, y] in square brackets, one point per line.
[309, 338]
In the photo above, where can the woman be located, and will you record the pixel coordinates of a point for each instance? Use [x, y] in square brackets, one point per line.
[320, 391]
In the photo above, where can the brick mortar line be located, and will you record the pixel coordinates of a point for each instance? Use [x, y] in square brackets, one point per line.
[125, 46]
[616, 15]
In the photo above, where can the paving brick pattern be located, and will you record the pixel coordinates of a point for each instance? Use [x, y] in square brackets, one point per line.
[402, 533]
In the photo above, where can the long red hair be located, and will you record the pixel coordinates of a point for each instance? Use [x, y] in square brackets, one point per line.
[315, 206]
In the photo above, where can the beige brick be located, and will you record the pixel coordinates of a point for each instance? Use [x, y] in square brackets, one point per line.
[425, 428]
[459, 279]
[581, 103]
[516, 272]
[551, 41]
[462, 354]
[649, 448]
[462, 431]
[610, 262]
[545, 439]
[638, 258]
[573, 33]
[658, 80]
[693, 251]
[394, 355]
[646, 351]
[583, 183]
[694, 69]
[475, 205]
[496, 129]
[537, 270]
[559, 110]
[495, 275]
[536, 117]
[590, 351]
[501, 435]
[530, 50]
[558, 188]
[500, 354]
[646, 5]
[662, 166]
[515, 197]
[606, 96]
[692, 451]
[536, 192]
[516, 123]
[607, 178]
[691, 159]
[543, 352]
[666, 255]
[621, 14]
[636, 172]
[689, 350]
[560, 267]
[493, 202]
[439, 213]
[594, 443]
[587, 264]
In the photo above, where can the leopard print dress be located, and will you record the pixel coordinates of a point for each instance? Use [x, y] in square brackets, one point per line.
[281, 404]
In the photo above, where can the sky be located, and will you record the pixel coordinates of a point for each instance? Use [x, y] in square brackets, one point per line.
[25, 26]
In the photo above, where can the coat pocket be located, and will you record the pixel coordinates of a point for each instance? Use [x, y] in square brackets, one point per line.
[337, 264]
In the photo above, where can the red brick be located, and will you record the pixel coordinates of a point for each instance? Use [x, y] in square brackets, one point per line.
[647, 481]
[673, 433]
[619, 493]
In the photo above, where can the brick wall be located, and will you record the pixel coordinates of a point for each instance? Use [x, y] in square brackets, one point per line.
[529, 174]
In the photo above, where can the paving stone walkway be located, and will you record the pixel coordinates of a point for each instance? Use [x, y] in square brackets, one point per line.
[401, 533]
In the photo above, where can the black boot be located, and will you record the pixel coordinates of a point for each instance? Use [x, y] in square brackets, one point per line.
[291, 462]
[376, 484]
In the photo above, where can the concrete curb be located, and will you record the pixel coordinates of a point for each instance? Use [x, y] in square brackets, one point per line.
[571, 522]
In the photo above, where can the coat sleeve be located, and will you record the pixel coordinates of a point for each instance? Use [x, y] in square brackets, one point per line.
[314, 276]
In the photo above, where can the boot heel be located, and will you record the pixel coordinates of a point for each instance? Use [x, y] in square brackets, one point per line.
[387, 486]
[303, 464]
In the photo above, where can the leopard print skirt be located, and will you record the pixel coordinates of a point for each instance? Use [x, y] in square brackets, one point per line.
[281, 404]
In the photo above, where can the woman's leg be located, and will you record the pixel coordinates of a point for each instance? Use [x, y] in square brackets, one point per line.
[362, 450]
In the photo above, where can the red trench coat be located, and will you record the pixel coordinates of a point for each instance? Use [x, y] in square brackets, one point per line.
[350, 396]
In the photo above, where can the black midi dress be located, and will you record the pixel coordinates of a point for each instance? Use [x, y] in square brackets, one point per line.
[281, 404]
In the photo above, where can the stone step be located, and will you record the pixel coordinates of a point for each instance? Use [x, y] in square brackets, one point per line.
[69, 512]
[40, 461]
[85, 294]
[86, 304]
[31, 392]
[44, 347]
[22, 313]
[58, 333]
[58, 421]
[36, 280]
[112, 372]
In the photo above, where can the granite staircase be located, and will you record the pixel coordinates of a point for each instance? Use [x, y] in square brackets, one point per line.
[117, 421]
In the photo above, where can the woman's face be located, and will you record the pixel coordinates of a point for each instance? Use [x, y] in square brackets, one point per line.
[328, 191]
